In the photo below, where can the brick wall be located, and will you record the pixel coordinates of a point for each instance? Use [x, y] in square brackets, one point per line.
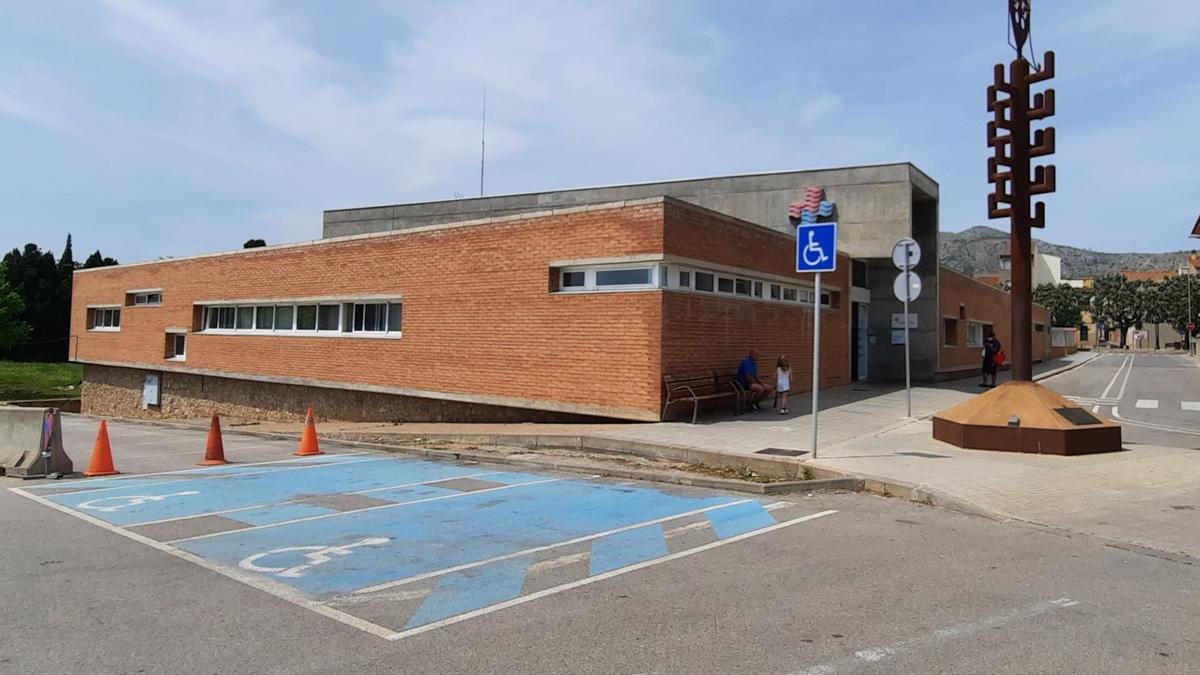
[703, 331]
[478, 317]
[963, 300]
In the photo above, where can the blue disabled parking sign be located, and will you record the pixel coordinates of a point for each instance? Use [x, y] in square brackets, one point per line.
[816, 247]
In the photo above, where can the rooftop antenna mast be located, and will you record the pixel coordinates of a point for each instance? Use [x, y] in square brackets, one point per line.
[483, 141]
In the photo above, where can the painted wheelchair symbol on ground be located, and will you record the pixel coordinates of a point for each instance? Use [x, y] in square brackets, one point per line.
[317, 555]
[124, 502]
[398, 547]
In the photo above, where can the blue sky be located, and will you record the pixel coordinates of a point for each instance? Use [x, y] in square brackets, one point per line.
[153, 129]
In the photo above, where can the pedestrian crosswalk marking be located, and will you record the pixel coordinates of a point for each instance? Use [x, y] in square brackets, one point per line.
[1193, 406]
[1150, 404]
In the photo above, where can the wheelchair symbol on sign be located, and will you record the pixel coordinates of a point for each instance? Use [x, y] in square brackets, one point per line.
[812, 253]
[130, 500]
[317, 555]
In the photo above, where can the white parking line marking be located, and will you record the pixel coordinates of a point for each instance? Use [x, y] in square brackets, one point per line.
[216, 476]
[560, 561]
[863, 657]
[326, 516]
[289, 501]
[1146, 404]
[539, 549]
[1157, 427]
[1114, 379]
[196, 470]
[1128, 372]
[601, 577]
[1192, 406]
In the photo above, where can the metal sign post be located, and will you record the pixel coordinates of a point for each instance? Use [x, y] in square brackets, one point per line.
[816, 252]
[905, 255]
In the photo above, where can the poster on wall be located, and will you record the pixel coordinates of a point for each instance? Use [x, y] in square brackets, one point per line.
[150, 390]
[898, 337]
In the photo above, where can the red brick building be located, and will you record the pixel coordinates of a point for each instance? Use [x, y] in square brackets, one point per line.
[558, 314]
[970, 309]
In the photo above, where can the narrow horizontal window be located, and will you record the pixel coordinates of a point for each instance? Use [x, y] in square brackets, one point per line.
[742, 287]
[776, 292]
[704, 281]
[685, 279]
[724, 285]
[245, 318]
[629, 277]
[789, 294]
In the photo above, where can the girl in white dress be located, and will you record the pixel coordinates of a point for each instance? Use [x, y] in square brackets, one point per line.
[783, 382]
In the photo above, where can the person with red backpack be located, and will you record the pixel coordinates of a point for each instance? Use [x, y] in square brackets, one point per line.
[993, 358]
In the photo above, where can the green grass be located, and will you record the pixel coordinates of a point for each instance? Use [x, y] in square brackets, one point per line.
[19, 381]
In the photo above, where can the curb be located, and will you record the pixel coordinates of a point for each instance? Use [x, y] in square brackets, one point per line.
[828, 480]
[1069, 367]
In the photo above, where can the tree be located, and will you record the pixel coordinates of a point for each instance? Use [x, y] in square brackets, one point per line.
[13, 329]
[1065, 303]
[1114, 303]
[33, 275]
[254, 243]
[1175, 292]
[97, 260]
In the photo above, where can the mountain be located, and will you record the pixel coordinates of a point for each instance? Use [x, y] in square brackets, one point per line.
[977, 250]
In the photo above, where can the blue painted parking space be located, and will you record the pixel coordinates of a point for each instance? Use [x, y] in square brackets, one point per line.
[398, 546]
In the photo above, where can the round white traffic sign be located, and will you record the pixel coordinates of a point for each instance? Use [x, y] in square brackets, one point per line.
[909, 281]
[906, 254]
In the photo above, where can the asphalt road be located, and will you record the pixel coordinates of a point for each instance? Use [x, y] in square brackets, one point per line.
[878, 586]
[1156, 397]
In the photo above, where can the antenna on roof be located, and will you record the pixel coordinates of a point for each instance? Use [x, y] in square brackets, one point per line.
[483, 141]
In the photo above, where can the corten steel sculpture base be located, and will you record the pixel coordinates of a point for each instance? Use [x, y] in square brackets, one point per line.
[1026, 417]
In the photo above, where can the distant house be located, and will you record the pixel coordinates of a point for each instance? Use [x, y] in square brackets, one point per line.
[1196, 228]
[1149, 274]
[1047, 269]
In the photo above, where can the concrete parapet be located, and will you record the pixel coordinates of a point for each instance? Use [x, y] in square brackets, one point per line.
[26, 435]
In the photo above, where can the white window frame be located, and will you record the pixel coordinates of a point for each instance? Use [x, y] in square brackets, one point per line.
[972, 328]
[654, 278]
[175, 335]
[345, 314]
[143, 299]
[94, 326]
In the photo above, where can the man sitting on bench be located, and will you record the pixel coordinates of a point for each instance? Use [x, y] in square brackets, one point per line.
[756, 389]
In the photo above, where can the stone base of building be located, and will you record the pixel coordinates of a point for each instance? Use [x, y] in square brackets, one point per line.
[1025, 417]
[117, 392]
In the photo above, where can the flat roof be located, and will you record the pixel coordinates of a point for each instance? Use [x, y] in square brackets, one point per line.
[674, 181]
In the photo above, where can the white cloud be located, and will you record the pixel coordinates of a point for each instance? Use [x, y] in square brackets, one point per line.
[32, 96]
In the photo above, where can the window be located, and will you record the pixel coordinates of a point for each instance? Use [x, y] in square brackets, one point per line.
[962, 311]
[370, 317]
[627, 277]
[306, 317]
[1039, 327]
[105, 318]
[758, 289]
[685, 279]
[858, 273]
[974, 334]
[950, 332]
[149, 298]
[329, 317]
[789, 294]
[395, 316]
[742, 287]
[776, 292]
[573, 279]
[724, 285]
[245, 318]
[284, 317]
[176, 346]
[264, 317]
[704, 281]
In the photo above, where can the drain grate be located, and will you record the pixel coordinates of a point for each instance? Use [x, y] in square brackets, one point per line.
[781, 452]
[926, 455]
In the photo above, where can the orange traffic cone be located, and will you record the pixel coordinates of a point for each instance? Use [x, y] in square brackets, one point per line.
[102, 461]
[308, 439]
[214, 452]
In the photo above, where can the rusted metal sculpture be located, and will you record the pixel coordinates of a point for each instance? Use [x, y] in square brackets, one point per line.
[1010, 172]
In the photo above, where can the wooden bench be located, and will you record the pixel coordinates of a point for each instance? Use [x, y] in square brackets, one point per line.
[696, 388]
[730, 378]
